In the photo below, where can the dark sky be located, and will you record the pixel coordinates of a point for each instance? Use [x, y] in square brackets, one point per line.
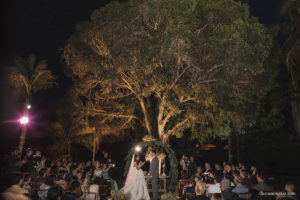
[43, 26]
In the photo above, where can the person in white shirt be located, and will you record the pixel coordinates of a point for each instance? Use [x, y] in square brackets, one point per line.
[183, 164]
[214, 188]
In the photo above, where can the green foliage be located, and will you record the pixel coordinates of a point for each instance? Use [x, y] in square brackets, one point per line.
[168, 65]
[65, 128]
[292, 9]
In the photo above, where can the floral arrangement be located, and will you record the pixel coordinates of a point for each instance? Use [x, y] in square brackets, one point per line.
[147, 156]
[148, 138]
[169, 196]
[118, 195]
[161, 156]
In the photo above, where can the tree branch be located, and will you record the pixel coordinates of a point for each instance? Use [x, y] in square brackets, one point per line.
[178, 77]
[177, 126]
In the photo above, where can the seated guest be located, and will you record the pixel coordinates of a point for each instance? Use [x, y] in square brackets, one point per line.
[64, 184]
[261, 186]
[184, 181]
[207, 168]
[13, 196]
[224, 164]
[191, 187]
[185, 175]
[93, 192]
[218, 171]
[37, 159]
[74, 191]
[240, 189]
[49, 182]
[234, 170]
[200, 190]
[192, 167]
[199, 173]
[217, 197]
[208, 172]
[16, 184]
[41, 176]
[241, 166]
[28, 165]
[105, 175]
[253, 175]
[71, 172]
[214, 188]
[97, 168]
[245, 178]
[228, 173]
[11, 164]
[98, 178]
[55, 193]
[290, 189]
[87, 167]
[227, 190]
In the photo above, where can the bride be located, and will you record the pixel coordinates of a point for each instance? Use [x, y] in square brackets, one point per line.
[135, 186]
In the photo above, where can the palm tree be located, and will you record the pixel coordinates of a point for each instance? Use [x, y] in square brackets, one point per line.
[29, 76]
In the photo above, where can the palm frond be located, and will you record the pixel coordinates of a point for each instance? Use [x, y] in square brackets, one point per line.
[31, 76]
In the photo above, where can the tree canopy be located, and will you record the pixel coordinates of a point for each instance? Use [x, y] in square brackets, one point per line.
[168, 65]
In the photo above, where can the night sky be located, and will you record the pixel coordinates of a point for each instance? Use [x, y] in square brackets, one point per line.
[42, 27]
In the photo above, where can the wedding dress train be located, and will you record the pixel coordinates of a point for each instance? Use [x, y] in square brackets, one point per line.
[135, 187]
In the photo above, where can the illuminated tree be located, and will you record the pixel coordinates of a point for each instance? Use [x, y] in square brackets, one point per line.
[167, 65]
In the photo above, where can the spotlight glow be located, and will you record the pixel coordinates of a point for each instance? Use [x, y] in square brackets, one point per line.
[24, 120]
[28, 107]
[138, 148]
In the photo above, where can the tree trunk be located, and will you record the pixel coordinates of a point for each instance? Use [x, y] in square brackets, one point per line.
[238, 148]
[165, 138]
[24, 126]
[229, 149]
[296, 114]
[69, 147]
[94, 149]
[22, 139]
[146, 116]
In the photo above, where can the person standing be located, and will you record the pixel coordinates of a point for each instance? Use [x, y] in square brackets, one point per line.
[153, 174]
[182, 163]
[192, 167]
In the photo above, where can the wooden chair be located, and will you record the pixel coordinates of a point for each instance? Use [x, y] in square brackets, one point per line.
[104, 191]
[91, 196]
[181, 184]
[190, 195]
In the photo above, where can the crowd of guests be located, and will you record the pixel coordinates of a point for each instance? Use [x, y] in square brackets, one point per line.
[36, 177]
[33, 176]
[227, 182]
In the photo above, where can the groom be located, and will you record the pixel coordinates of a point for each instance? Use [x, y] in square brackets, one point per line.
[153, 174]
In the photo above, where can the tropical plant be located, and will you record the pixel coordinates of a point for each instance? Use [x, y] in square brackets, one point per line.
[29, 76]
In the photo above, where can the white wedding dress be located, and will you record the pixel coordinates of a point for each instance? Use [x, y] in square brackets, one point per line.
[135, 186]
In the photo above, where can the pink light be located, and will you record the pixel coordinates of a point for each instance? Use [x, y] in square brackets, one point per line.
[24, 120]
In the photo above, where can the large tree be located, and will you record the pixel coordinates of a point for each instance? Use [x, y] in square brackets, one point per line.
[292, 44]
[169, 65]
[29, 76]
